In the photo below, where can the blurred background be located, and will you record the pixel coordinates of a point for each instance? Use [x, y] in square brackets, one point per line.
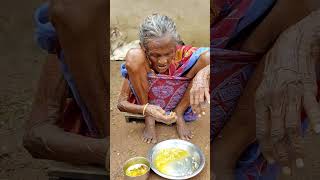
[192, 17]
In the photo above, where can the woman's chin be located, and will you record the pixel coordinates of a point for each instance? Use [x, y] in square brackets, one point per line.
[162, 70]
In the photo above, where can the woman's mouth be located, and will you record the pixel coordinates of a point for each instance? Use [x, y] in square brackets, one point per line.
[162, 67]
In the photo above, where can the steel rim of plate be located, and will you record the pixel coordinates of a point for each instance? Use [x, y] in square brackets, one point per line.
[202, 159]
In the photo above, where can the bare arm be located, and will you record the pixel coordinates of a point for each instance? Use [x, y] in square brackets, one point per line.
[123, 104]
[150, 110]
[279, 19]
[43, 139]
[186, 100]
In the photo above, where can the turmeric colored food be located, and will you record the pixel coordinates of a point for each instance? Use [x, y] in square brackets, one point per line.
[165, 157]
[137, 170]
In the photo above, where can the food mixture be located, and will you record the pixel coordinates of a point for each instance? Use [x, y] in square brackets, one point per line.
[175, 161]
[137, 170]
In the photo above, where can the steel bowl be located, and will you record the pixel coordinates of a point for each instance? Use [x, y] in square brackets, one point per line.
[184, 169]
[134, 161]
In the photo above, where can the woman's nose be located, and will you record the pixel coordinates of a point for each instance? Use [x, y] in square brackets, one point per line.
[163, 60]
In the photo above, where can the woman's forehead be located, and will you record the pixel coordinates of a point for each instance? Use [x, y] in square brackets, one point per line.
[163, 43]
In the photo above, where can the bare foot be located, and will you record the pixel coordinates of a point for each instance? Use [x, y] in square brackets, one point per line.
[149, 134]
[183, 131]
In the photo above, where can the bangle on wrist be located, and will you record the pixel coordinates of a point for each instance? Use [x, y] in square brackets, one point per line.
[144, 109]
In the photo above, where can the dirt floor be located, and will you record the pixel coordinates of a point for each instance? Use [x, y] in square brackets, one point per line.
[20, 63]
[126, 138]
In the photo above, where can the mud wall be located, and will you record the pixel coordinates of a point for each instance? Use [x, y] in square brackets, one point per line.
[191, 16]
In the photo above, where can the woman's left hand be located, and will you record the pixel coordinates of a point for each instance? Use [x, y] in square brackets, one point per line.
[199, 92]
[288, 86]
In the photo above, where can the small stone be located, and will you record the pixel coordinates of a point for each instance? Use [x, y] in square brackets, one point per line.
[118, 154]
[317, 128]
[134, 122]
[299, 163]
[207, 147]
[270, 161]
[286, 170]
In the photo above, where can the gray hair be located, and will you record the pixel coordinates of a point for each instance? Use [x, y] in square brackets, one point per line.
[157, 26]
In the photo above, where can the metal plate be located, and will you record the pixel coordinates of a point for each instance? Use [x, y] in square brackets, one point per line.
[181, 169]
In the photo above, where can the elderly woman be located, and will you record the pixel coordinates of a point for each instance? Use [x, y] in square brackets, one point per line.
[158, 75]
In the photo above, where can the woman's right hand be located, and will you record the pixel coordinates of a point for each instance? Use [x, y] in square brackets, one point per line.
[159, 114]
[199, 92]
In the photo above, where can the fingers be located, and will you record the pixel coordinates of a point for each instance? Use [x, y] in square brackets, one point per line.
[295, 140]
[203, 108]
[161, 111]
[207, 95]
[277, 115]
[263, 131]
[194, 106]
[196, 109]
[293, 124]
[160, 115]
[202, 103]
[197, 100]
[277, 132]
[201, 95]
[167, 119]
[172, 118]
[283, 155]
[192, 94]
[312, 109]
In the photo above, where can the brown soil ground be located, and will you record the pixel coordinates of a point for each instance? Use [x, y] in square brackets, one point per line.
[126, 138]
[20, 64]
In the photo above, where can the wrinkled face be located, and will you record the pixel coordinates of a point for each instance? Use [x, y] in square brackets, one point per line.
[161, 52]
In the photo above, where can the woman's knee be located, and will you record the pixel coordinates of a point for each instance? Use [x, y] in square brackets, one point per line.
[67, 13]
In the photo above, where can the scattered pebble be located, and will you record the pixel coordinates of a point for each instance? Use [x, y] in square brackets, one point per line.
[207, 146]
[286, 170]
